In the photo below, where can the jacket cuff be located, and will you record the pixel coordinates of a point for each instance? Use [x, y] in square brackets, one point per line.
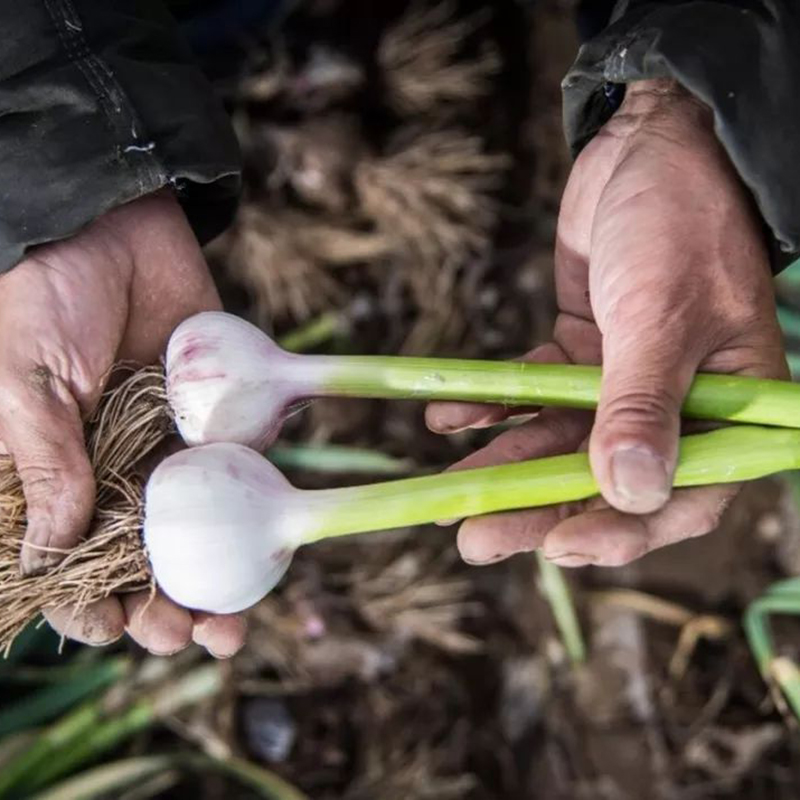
[739, 59]
[100, 104]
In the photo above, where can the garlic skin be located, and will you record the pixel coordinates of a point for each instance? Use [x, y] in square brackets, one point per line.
[219, 528]
[227, 381]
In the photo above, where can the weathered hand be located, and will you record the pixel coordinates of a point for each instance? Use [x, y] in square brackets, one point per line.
[72, 309]
[661, 271]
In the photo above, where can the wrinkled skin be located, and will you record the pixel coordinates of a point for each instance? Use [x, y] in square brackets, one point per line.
[661, 271]
[68, 312]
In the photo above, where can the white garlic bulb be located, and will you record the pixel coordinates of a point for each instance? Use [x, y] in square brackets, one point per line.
[219, 527]
[227, 381]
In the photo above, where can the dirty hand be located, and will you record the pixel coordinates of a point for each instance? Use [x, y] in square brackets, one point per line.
[68, 312]
[661, 271]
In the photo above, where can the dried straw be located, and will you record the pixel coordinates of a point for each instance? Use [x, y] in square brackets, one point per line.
[431, 197]
[131, 422]
[420, 57]
[267, 252]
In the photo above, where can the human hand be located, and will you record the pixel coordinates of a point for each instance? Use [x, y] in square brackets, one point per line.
[661, 271]
[70, 311]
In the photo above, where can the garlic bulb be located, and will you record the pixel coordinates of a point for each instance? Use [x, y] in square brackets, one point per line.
[219, 528]
[227, 381]
[221, 523]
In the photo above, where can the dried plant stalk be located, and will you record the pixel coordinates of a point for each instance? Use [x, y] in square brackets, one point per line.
[420, 59]
[131, 422]
[269, 253]
[431, 198]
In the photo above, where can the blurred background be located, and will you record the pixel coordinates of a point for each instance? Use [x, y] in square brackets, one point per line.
[404, 165]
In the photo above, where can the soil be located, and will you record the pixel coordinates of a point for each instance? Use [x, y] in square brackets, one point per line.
[387, 668]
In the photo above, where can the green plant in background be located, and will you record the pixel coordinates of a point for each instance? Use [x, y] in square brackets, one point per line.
[787, 286]
[779, 671]
[558, 595]
[781, 598]
[78, 713]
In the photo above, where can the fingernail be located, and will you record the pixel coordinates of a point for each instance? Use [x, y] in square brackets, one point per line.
[465, 423]
[640, 480]
[218, 656]
[155, 651]
[570, 560]
[488, 421]
[106, 642]
[484, 562]
[200, 638]
[34, 560]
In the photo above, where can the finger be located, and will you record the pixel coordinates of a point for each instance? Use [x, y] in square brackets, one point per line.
[576, 340]
[609, 538]
[587, 181]
[452, 417]
[96, 625]
[649, 363]
[157, 624]
[495, 537]
[222, 635]
[40, 423]
[552, 432]
[487, 539]
[579, 339]
[169, 265]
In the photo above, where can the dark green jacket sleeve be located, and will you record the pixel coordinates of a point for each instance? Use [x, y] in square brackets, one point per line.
[100, 104]
[741, 57]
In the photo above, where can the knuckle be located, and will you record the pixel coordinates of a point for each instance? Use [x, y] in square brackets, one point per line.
[642, 407]
[40, 481]
[67, 492]
[530, 534]
[623, 552]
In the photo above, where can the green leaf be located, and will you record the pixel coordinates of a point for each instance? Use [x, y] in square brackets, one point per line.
[558, 595]
[108, 732]
[35, 638]
[780, 598]
[46, 704]
[331, 458]
[314, 333]
[789, 320]
[13, 745]
[266, 783]
[109, 778]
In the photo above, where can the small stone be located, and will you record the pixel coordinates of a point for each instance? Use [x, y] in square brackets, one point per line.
[269, 729]
[769, 527]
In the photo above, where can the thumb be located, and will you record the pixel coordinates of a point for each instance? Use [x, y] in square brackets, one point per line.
[647, 372]
[42, 430]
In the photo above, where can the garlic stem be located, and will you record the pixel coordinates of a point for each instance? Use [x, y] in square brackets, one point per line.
[729, 398]
[729, 455]
[222, 524]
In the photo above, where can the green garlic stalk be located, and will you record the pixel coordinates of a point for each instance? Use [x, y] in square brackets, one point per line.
[222, 523]
[227, 381]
